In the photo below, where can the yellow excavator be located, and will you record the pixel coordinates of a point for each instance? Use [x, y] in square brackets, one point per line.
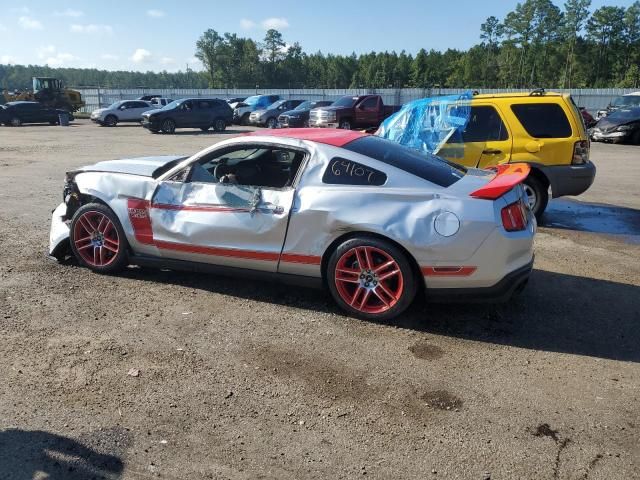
[50, 92]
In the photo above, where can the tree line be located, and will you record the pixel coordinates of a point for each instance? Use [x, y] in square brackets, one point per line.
[538, 44]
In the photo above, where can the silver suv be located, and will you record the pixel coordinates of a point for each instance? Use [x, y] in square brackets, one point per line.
[122, 111]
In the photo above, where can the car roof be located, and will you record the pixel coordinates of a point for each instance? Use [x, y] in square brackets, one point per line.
[21, 102]
[328, 136]
[516, 95]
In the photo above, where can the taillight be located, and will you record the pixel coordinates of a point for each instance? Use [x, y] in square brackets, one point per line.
[581, 152]
[514, 217]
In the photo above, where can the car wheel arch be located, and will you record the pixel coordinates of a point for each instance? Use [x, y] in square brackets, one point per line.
[364, 234]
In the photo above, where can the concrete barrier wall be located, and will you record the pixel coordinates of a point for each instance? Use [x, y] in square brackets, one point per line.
[592, 99]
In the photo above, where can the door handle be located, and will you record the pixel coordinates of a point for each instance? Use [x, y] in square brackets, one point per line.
[491, 151]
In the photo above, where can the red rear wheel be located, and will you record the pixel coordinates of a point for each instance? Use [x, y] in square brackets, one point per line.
[371, 278]
[97, 239]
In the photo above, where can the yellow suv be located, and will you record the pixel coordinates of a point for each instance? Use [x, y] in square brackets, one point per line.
[543, 129]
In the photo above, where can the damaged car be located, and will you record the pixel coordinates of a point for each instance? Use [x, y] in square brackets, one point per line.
[373, 221]
[620, 126]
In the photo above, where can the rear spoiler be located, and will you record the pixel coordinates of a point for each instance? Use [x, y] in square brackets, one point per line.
[507, 177]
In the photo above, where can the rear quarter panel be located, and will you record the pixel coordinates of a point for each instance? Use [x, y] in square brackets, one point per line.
[403, 210]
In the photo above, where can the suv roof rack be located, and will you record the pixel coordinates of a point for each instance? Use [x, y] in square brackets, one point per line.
[538, 92]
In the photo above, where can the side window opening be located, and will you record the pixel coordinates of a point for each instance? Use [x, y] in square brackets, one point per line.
[370, 103]
[484, 125]
[543, 120]
[255, 166]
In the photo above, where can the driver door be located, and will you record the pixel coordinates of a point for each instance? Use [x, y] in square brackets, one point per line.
[231, 224]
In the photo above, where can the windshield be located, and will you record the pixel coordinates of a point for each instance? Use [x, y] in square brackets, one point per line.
[304, 106]
[171, 105]
[345, 102]
[115, 104]
[251, 101]
[275, 105]
[627, 101]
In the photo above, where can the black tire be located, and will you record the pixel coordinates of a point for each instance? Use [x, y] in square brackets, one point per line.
[345, 124]
[541, 195]
[635, 139]
[205, 129]
[114, 261]
[168, 126]
[244, 120]
[403, 283]
[272, 122]
[219, 125]
[15, 122]
[110, 121]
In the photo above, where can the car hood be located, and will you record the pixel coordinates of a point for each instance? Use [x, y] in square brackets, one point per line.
[331, 108]
[145, 166]
[608, 123]
[296, 113]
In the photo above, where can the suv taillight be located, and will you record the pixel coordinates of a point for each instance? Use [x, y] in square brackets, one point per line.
[514, 217]
[581, 152]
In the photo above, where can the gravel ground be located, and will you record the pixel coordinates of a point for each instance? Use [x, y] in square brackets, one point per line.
[185, 376]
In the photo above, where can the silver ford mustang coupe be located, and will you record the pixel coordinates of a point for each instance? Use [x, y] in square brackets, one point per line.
[371, 220]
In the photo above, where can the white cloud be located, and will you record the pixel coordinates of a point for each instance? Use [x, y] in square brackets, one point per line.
[69, 12]
[167, 61]
[23, 10]
[29, 23]
[155, 13]
[247, 24]
[60, 59]
[92, 29]
[50, 55]
[277, 23]
[3, 28]
[109, 56]
[46, 51]
[7, 59]
[140, 55]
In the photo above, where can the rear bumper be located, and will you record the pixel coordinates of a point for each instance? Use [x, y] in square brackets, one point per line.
[500, 292]
[570, 179]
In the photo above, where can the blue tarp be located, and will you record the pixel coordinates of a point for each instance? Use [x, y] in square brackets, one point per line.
[427, 124]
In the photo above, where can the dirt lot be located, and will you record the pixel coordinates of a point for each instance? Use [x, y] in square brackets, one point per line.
[248, 380]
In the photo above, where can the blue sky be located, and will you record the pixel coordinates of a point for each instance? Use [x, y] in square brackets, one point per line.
[159, 34]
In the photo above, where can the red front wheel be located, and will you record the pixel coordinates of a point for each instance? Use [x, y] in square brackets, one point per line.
[371, 278]
[97, 239]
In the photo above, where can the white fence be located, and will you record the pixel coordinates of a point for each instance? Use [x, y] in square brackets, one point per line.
[592, 99]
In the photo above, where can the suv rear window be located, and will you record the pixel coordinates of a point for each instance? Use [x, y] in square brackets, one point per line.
[543, 120]
[424, 165]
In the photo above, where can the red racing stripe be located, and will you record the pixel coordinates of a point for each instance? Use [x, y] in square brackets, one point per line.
[139, 217]
[298, 258]
[448, 271]
[217, 251]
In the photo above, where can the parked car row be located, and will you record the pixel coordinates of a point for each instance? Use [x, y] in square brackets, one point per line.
[349, 112]
[166, 115]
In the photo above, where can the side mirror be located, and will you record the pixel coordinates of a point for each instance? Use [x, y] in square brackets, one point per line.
[122, 107]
